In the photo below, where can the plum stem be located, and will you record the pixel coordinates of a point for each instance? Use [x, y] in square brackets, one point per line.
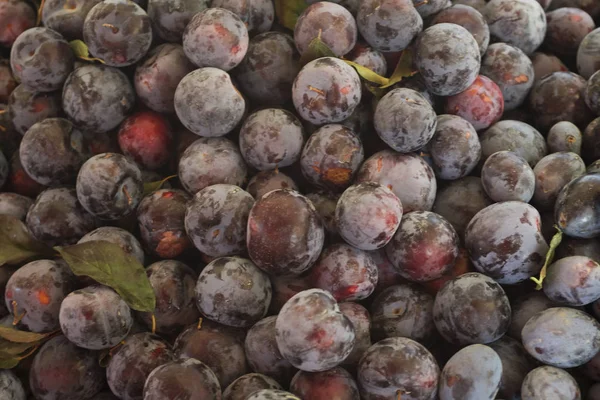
[17, 318]
[556, 239]
[153, 324]
[199, 323]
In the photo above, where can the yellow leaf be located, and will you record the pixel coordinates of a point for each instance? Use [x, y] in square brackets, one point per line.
[367, 74]
[316, 49]
[288, 11]
[404, 69]
[82, 52]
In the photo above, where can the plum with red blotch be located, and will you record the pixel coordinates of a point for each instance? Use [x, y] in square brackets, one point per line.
[312, 333]
[398, 368]
[335, 383]
[130, 366]
[573, 281]
[505, 241]
[35, 292]
[424, 247]
[367, 215]
[146, 137]
[95, 318]
[285, 234]
[16, 17]
[482, 104]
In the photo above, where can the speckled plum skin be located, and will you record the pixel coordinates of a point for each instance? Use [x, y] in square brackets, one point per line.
[63, 371]
[187, 378]
[170, 17]
[326, 90]
[547, 382]
[516, 364]
[109, 186]
[564, 136]
[566, 29]
[470, 19]
[515, 136]
[268, 71]
[508, 177]
[26, 107]
[245, 385]
[157, 76]
[331, 157]
[21, 14]
[511, 70]
[447, 56]
[335, 383]
[95, 318]
[161, 219]
[272, 394]
[573, 281]
[403, 310]
[67, 16]
[471, 308]
[285, 234]
[552, 173]
[122, 238]
[215, 37]
[57, 218]
[411, 132]
[346, 272]
[52, 151]
[388, 25]
[473, 373]
[271, 138]
[263, 354]
[504, 241]
[97, 98]
[173, 283]
[210, 161]
[424, 247]
[575, 211]
[15, 205]
[559, 97]
[130, 366]
[233, 291]
[407, 175]
[361, 320]
[216, 346]
[207, 103]
[367, 215]
[521, 23]
[118, 32]
[588, 60]
[312, 333]
[41, 59]
[266, 181]
[11, 387]
[546, 340]
[38, 288]
[482, 104]
[398, 366]
[455, 149]
[333, 23]
[216, 220]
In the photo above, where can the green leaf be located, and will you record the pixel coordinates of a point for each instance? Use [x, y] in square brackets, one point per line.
[108, 264]
[8, 362]
[404, 69]
[556, 239]
[17, 336]
[316, 49]
[151, 187]
[288, 11]
[367, 74]
[17, 244]
[14, 349]
[82, 52]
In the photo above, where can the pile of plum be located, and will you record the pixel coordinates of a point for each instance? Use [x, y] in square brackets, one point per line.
[343, 200]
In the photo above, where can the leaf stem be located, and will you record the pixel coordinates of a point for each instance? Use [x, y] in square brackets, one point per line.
[17, 318]
[199, 323]
[556, 239]
[153, 324]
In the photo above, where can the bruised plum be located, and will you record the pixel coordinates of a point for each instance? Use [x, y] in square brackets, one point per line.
[576, 210]
[573, 281]
[398, 368]
[367, 215]
[331, 157]
[182, 379]
[546, 339]
[245, 385]
[504, 241]
[473, 373]
[471, 308]
[335, 383]
[312, 333]
[95, 318]
[263, 354]
[516, 136]
[564, 136]
[407, 175]
[326, 90]
[403, 311]
[508, 177]
[482, 103]
[345, 272]
[233, 292]
[548, 382]
[424, 247]
[27, 107]
[216, 219]
[552, 173]
[285, 234]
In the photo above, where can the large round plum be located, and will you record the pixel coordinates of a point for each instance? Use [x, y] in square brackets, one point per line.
[516, 136]
[573, 281]
[575, 211]
[508, 177]
[547, 382]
